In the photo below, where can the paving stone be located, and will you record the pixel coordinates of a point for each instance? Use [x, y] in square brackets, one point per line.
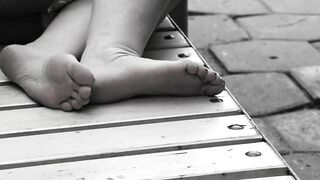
[285, 27]
[306, 165]
[251, 56]
[219, 29]
[300, 129]
[294, 6]
[265, 93]
[308, 78]
[213, 63]
[272, 135]
[232, 7]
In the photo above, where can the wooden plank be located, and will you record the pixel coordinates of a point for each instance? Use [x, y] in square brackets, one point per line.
[12, 97]
[167, 40]
[223, 163]
[274, 178]
[126, 140]
[3, 79]
[165, 25]
[173, 54]
[135, 111]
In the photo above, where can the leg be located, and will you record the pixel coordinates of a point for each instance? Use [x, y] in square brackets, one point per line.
[118, 33]
[47, 68]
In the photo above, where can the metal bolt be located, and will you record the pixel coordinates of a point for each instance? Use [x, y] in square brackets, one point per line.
[236, 127]
[183, 55]
[253, 153]
[169, 37]
[273, 57]
[216, 100]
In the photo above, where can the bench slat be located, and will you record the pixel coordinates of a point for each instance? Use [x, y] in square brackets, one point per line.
[224, 162]
[173, 54]
[12, 97]
[273, 178]
[126, 140]
[135, 111]
[165, 25]
[167, 40]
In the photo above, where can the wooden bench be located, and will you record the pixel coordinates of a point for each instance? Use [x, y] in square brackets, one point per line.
[142, 138]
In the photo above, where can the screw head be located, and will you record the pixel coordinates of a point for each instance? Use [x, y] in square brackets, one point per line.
[216, 100]
[184, 55]
[169, 37]
[253, 153]
[236, 126]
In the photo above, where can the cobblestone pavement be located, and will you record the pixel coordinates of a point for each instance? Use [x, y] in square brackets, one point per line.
[268, 51]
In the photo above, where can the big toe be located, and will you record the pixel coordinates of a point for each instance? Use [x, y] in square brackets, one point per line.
[66, 106]
[79, 73]
[211, 90]
[199, 70]
[85, 92]
[192, 68]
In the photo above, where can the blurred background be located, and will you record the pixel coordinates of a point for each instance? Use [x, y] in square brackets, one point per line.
[267, 51]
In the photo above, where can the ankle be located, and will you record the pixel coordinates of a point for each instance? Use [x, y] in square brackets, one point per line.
[109, 53]
[49, 48]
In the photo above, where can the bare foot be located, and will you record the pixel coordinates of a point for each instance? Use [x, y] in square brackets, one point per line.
[56, 81]
[127, 76]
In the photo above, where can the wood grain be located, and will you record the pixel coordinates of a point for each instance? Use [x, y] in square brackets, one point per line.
[126, 140]
[165, 25]
[12, 97]
[135, 111]
[223, 163]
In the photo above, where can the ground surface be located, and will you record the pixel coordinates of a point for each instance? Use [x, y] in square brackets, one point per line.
[268, 52]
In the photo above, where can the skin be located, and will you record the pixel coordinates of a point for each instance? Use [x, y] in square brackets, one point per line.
[108, 37]
[115, 43]
[47, 68]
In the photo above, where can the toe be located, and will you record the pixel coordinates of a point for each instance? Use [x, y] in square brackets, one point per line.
[202, 72]
[79, 73]
[75, 95]
[75, 86]
[84, 102]
[75, 104]
[211, 76]
[66, 106]
[192, 68]
[85, 92]
[218, 80]
[210, 90]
